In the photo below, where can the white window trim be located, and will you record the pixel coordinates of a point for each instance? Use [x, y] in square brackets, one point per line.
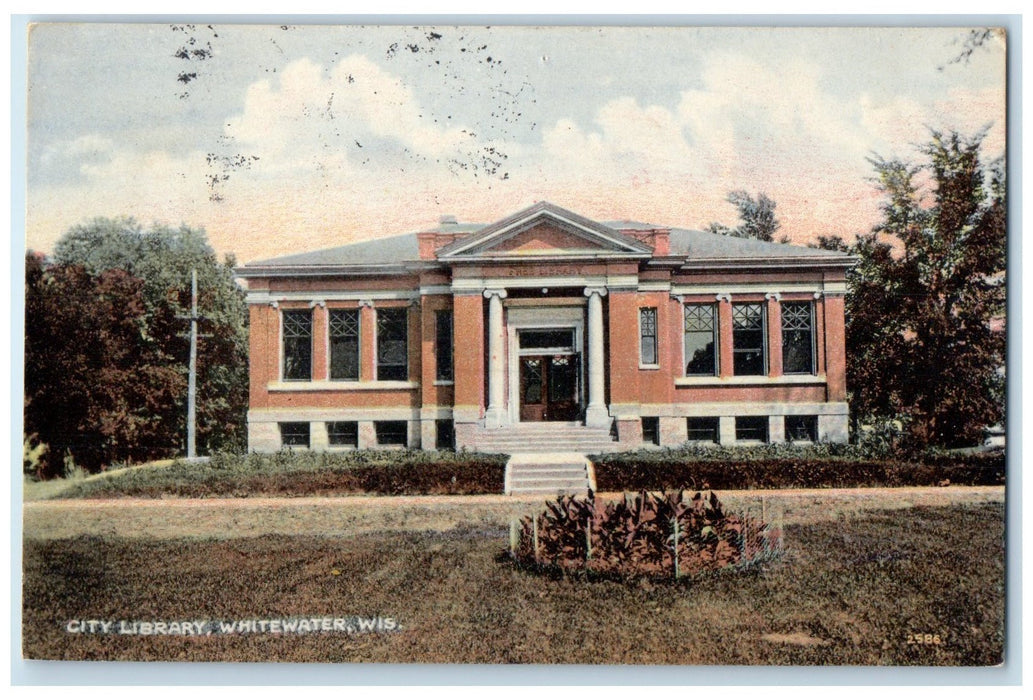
[656, 338]
[376, 343]
[283, 353]
[716, 310]
[340, 385]
[814, 340]
[766, 365]
[751, 379]
[329, 358]
[452, 340]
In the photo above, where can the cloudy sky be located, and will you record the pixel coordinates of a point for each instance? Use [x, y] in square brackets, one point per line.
[281, 139]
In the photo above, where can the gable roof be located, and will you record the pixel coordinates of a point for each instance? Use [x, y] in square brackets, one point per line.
[689, 248]
[599, 239]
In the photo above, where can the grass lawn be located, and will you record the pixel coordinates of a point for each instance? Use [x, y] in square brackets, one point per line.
[848, 591]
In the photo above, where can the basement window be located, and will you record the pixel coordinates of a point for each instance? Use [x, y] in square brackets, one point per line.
[802, 428]
[446, 435]
[651, 430]
[751, 429]
[392, 433]
[294, 434]
[343, 434]
[703, 429]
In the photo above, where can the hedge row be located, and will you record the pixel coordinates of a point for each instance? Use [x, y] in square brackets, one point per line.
[386, 472]
[668, 470]
[394, 472]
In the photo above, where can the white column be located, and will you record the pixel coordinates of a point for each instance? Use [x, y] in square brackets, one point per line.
[495, 414]
[596, 415]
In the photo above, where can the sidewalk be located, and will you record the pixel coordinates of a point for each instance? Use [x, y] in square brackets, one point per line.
[339, 516]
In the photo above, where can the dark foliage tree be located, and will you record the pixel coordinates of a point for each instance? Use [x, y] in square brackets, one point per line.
[925, 313]
[757, 217]
[163, 258]
[158, 261]
[96, 389]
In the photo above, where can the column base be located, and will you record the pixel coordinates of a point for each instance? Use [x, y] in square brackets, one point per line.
[597, 417]
[495, 418]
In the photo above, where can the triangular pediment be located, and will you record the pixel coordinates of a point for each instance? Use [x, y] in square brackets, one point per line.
[544, 230]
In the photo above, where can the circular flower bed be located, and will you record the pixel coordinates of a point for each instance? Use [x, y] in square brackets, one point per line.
[656, 535]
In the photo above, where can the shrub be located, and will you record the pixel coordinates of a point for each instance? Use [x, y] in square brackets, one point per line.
[33, 452]
[660, 536]
[770, 467]
[383, 472]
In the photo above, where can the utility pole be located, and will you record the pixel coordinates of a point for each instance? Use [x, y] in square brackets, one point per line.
[192, 379]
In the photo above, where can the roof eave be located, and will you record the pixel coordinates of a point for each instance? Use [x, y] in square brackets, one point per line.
[550, 258]
[794, 262]
[249, 271]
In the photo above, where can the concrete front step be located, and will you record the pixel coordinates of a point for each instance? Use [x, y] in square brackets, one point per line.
[531, 474]
[510, 449]
[548, 473]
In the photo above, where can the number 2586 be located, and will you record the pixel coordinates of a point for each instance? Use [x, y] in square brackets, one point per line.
[926, 638]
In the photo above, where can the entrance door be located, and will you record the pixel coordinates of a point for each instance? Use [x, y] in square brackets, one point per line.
[549, 387]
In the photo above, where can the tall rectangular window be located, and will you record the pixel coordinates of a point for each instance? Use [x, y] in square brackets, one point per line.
[748, 339]
[700, 340]
[344, 343]
[647, 336]
[297, 345]
[797, 338]
[443, 345]
[392, 344]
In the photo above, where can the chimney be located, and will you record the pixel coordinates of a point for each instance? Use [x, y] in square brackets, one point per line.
[661, 241]
[447, 220]
[428, 244]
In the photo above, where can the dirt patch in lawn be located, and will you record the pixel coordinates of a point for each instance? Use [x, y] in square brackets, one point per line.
[797, 638]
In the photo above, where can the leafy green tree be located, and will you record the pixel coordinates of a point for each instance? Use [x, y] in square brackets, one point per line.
[925, 313]
[757, 217]
[160, 260]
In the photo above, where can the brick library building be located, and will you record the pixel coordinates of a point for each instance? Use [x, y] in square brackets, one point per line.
[547, 330]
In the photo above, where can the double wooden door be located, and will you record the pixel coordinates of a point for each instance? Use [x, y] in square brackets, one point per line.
[549, 387]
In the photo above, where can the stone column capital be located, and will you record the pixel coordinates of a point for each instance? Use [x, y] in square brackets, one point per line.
[500, 293]
[723, 296]
[776, 296]
[317, 302]
[590, 291]
[366, 302]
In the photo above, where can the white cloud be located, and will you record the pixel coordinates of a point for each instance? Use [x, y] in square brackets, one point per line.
[88, 146]
[314, 114]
